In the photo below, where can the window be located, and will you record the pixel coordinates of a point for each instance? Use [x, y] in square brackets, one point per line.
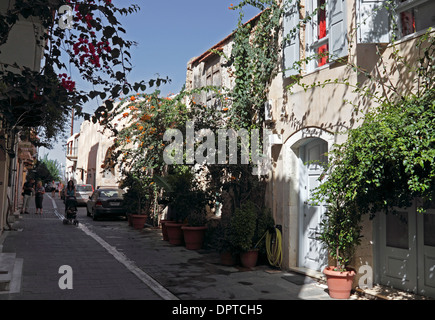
[322, 50]
[415, 15]
[213, 78]
[325, 34]
[317, 34]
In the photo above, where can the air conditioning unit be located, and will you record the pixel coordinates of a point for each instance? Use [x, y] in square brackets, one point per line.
[275, 139]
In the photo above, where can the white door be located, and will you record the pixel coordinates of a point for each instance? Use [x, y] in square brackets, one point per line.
[398, 254]
[312, 255]
[407, 250]
[426, 253]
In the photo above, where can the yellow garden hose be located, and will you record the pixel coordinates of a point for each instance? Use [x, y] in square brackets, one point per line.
[274, 248]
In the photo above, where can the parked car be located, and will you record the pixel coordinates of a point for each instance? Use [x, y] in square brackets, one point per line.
[83, 192]
[106, 202]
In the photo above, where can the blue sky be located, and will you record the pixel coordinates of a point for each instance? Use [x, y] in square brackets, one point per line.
[169, 33]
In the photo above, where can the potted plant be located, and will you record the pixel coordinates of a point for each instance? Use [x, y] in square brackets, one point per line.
[194, 231]
[227, 252]
[340, 232]
[184, 196]
[242, 233]
[136, 199]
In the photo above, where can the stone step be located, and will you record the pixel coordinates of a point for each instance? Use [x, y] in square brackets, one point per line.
[7, 265]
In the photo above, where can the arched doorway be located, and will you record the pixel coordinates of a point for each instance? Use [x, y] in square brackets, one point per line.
[312, 254]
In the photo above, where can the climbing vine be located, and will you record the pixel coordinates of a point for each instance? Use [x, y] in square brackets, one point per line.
[254, 57]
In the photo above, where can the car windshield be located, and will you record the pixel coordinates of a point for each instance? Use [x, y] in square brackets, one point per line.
[84, 188]
[111, 193]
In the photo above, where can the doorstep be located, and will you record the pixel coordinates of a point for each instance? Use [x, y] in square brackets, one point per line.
[309, 272]
[387, 293]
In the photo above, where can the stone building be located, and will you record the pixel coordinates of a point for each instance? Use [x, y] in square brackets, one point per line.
[309, 121]
[17, 154]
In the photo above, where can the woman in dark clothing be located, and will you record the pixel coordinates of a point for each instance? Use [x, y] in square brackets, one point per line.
[39, 196]
[70, 195]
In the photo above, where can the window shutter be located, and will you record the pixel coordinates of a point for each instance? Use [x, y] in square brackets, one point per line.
[291, 39]
[373, 22]
[337, 29]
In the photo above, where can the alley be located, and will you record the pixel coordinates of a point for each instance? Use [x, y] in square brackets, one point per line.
[112, 261]
[46, 244]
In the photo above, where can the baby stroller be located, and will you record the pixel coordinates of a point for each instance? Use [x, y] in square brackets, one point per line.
[71, 211]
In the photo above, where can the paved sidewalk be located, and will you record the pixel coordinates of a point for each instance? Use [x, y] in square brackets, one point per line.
[194, 275]
[134, 263]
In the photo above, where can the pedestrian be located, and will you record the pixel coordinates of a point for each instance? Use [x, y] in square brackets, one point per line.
[28, 189]
[70, 190]
[60, 188]
[53, 189]
[39, 196]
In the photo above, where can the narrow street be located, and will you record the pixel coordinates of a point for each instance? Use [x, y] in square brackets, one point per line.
[46, 244]
[111, 261]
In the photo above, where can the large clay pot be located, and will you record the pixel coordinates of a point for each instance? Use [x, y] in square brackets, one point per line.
[227, 259]
[138, 220]
[339, 282]
[249, 258]
[175, 234]
[193, 237]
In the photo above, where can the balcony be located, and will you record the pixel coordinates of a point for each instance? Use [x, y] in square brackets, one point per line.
[71, 153]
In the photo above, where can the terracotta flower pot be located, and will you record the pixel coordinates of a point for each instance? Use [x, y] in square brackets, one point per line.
[339, 282]
[249, 258]
[138, 220]
[227, 259]
[164, 229]
[175, 234]
[193, 237]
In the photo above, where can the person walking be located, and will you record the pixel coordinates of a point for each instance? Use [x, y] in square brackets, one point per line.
[28, 189]
[53, 189]
[60, 188]
[39, 196]
[70, 196]
[70, 190]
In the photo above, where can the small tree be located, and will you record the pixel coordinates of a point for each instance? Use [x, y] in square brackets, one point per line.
[139, 193]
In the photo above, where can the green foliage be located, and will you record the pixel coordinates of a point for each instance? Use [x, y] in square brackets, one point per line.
[139, 193]
[254, 57]
[95, 48]
[54, 168]
[185, 195]
[247, 227]
[386, 162]
[243, 227]
[197, 218]
[41, 173]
